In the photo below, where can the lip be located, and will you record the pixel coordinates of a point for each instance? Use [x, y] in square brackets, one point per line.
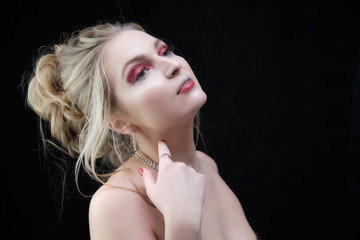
[185, 85]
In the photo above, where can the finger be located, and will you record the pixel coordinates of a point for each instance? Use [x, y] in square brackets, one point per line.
[149, 180]
[163, 150]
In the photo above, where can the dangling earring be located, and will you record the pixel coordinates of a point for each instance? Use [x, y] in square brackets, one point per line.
[134, 141]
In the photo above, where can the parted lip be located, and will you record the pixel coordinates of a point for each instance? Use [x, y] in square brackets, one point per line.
[183, 82]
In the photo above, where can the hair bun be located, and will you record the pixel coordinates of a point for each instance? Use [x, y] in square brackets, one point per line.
[45, 89]
[48, 99]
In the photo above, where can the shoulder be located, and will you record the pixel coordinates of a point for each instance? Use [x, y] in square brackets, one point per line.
[113, 211]
[113, 198]
[207, 161]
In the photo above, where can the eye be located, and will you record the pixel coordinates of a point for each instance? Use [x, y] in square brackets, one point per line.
[138, 72]
[166, 50]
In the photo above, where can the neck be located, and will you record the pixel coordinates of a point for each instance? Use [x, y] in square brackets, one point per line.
[179, 140]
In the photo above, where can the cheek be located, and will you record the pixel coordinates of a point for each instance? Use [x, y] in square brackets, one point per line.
[156, 103]
[155, 96]
[149, 106]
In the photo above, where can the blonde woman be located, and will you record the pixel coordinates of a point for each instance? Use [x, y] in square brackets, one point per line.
[118, 97]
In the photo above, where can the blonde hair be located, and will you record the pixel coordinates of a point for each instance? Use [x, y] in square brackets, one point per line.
[69, 89]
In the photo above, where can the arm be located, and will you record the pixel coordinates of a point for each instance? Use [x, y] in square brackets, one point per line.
[179, 194]
[178, 229]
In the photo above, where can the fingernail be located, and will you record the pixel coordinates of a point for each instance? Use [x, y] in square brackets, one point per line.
[141, 171]
[163, 141]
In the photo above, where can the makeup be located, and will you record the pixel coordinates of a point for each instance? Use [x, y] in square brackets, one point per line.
[137, 72]
[186, 84]
[165, 50]
[162, 50]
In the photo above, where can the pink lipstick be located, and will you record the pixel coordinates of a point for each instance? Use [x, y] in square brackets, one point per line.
[185, 85]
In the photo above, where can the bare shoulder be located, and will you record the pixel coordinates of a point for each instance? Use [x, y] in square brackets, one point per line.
[113, 211]
[208, 161]
[108, 198]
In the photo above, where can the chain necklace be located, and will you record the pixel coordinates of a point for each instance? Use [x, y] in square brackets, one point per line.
[155, 165]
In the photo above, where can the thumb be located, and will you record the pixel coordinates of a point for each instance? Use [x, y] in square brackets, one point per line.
[149, 180]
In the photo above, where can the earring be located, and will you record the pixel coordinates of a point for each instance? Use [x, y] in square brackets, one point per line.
[134, 141]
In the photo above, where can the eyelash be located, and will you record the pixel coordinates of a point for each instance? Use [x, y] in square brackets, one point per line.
[168, 49]
[137, 72]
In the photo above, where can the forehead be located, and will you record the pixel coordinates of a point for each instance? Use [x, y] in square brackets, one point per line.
[124, 46]
[128, 43]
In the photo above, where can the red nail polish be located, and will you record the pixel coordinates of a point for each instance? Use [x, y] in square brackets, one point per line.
[163, 141]
[141, 171]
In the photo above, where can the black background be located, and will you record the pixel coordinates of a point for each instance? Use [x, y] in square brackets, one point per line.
[281, 121]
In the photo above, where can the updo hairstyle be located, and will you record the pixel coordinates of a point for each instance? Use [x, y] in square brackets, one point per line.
[69, 89]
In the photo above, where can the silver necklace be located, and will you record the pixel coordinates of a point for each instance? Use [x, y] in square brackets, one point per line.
[155, 165]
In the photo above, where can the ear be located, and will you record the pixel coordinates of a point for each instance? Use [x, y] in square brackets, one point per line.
[120, 126]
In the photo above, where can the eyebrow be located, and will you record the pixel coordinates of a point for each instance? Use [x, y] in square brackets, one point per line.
[139, 57]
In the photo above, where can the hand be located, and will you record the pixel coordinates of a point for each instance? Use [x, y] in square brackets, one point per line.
[178, 192]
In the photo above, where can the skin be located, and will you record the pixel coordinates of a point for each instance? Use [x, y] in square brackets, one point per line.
[188, 205]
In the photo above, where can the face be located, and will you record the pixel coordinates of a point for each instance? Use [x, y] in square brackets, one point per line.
[152, 88]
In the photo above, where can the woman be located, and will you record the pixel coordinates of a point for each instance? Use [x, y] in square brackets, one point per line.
[118, 98]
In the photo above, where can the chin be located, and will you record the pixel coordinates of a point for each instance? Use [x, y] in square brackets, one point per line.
[184, 112]
[202, 99]
[200, 96]
[197, 100]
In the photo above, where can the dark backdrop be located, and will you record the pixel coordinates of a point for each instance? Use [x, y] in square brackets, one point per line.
[281, 121]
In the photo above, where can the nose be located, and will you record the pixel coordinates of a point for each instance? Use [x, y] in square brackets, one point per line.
[172, 69]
